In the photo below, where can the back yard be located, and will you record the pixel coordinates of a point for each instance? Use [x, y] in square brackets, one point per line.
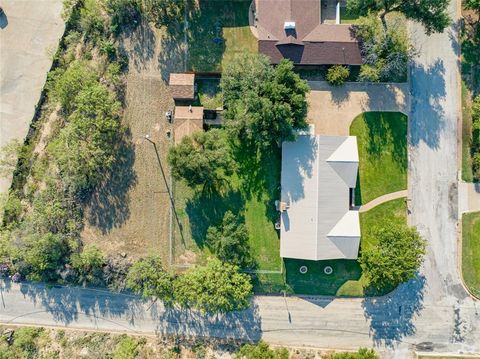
[217, 31]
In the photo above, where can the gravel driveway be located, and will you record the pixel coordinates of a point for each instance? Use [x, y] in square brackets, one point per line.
[29, 33]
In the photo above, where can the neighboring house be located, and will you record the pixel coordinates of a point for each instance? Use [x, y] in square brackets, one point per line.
[182, 86]
[318, 221]
[187, 120]
[294, 29]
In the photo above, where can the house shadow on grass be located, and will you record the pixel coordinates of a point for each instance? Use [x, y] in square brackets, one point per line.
[391, 317]
[108, 205]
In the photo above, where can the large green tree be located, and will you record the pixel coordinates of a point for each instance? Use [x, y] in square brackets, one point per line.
[395, 259]
[472, 5]
[229, 241]
[217, 287]
[85, 147]
[202, 159]
[264, 107]
[148, 279]
[433, 14]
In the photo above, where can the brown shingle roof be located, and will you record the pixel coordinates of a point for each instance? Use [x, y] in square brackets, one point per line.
[182, 86]
[187, 120]
[312, 43]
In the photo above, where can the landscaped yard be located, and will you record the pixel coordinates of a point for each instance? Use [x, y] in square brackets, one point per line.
[218, 30]
[382, 147]
[470, 251]
[251, 194]
[467, 170]
[346, 279]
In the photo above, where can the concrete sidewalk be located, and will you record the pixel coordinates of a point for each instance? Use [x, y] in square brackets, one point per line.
[29, 35]
[382, 199]
[468, 197]
[332, 109]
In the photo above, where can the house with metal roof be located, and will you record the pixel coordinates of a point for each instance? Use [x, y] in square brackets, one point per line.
[318, 220]
[298, 30]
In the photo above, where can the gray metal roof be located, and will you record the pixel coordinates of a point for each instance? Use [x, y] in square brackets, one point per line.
[317, 173]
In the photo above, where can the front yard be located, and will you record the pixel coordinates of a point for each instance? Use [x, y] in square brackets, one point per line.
[217, 31]
[470, 251]
[382, 148]
[347, 279]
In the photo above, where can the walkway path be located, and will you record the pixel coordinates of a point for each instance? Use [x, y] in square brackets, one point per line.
[30, 33]
[468, 197]
[382, 199]
[332, 109]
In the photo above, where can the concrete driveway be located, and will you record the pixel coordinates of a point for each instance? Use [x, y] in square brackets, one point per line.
[332, 109]
[29, 34]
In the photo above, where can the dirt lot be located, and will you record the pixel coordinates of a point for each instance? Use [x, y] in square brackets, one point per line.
[130, 213]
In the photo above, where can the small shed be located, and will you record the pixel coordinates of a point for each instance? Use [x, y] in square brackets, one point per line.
[187, 120]
[182, 86]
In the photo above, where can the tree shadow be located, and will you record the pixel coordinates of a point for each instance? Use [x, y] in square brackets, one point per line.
[108, 205]
[391, 317]
[427, 92]
[207, 209]
[172, 58]
[244, 325]
[139, 43]
[3, 20]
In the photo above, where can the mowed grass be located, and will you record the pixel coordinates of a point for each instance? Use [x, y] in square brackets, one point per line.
[382, 147]
[470, 251]
[347, 279]
[218, 30]
[250, 194]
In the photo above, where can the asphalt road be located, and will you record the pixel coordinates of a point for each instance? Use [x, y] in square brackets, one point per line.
[29, 33]
[432, 312]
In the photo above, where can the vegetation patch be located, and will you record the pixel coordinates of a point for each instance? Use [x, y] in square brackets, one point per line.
[382, 147]
[470, 250]
[217, 32]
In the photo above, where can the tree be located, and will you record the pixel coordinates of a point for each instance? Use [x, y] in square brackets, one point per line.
[202, 159]
[264, 107]
[215, 288]
[229, 241]
[337, 75]
[123, 13]
[147, 278]
[476, 113]
[433, 14]
[88, 264]
[395, 259]
[472, 5]
[385, 53]
[163, 12]
[85, 147]
[262, 351]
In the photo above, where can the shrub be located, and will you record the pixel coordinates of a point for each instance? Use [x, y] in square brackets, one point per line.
[261, 351]
[215, 288]
[370, 73]
[88, 265]
[127, 348]
[123, 13]
[337, 75]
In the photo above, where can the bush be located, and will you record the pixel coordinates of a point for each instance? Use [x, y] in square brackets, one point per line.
[395, 259]
[215, 288]
[337, 75]
[88, 265]
[363, 353]
[91, 20]
[261, 351]
[123, 13]
[370, 73]
[127, 348]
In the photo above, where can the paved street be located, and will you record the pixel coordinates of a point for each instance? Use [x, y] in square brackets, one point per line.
[29, 34]
[432, 312]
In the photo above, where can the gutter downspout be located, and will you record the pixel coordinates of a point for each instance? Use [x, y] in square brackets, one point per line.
[337, 15]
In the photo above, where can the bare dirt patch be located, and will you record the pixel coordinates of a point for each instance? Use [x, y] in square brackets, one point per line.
[130, 212]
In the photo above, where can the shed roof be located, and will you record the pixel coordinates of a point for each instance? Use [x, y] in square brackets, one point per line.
[317, 174]
[188, 113]
[182, 86]
[187, 120]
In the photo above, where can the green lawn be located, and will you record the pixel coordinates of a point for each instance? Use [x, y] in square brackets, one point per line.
[471, 251]
[467, 170]
[347, 279]
[382, 147]
[208, 91]
[223, 20]
[251, 194]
